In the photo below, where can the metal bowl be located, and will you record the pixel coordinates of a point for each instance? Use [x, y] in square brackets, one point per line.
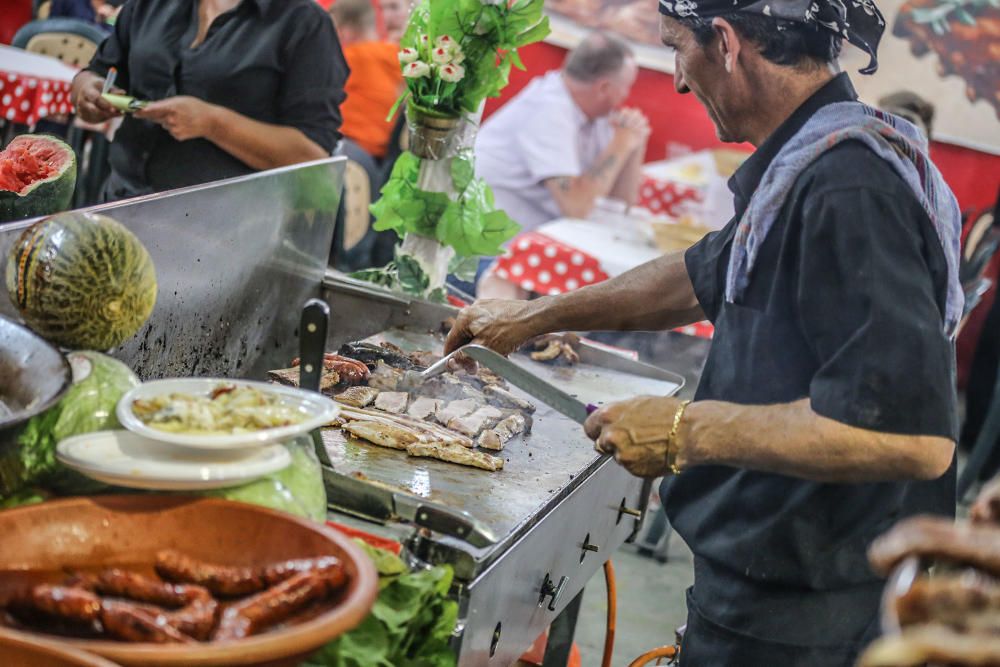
[34, 374]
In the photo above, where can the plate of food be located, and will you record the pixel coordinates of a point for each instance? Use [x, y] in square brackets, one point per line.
[125, 103]
[123, 458]
[168, 580]
[209, 413]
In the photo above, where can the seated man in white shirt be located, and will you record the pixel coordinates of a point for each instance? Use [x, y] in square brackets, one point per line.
[562, 143]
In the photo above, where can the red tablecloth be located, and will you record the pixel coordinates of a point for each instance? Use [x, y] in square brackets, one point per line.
[538, 263]
[33, 86]
[666, 197]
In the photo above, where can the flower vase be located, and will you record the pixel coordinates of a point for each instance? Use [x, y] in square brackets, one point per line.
[436, 139]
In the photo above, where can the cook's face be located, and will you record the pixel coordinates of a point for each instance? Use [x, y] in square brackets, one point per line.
[395, 13]
[701, 70]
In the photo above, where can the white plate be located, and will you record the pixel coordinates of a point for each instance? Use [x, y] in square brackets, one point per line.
[317, 409]
[123, 458]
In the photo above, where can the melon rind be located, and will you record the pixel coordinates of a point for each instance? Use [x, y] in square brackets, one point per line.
[44, 197]
[81, 280]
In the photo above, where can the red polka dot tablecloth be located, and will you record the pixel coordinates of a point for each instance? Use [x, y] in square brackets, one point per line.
[538, 263]
[663, 197]
[33, 86]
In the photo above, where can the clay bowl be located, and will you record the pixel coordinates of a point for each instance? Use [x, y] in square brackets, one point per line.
[128, 530]
[25, 651]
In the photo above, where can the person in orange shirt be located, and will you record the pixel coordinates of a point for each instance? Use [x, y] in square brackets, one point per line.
[375, 82]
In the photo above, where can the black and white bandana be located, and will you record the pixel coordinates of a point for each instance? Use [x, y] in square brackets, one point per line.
[858, 21]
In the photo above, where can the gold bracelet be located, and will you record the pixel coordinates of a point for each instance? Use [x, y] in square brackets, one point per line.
[671, 450]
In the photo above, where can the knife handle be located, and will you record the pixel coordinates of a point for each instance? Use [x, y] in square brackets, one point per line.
[312, 343]
[591, 408]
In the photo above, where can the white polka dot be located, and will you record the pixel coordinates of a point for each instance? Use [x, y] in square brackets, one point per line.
[6, 100]
[528, 284]
[43, 112]
[647, 191]
[572, 284]
[18, 91]
[33, 83]
[45, 85]
[12, 78]
[503, 273]
[63, 108]
[654, 204]
[516, 270]
[534, 260]
[587, 275]
[46, 97]
[554, 291]
[60, 96]
[523, 244]
[550, 251]
[544, 277]
[25, 106]
[576, 259]
[561, 268]
[507, 254]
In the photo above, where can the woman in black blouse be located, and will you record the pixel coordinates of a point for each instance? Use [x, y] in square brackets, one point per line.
[236, 86]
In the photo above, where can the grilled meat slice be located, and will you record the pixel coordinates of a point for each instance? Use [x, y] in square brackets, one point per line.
[385, 377]
[456, 454]
[501, 398]
[371, 354]
[423, 407]
[428, 432]
[451, 387]
[495, 438]
[937, 537]
[472, 424]
[359, 396]
[456, 409]
[328, 379]
[386, 435]
[392, 401]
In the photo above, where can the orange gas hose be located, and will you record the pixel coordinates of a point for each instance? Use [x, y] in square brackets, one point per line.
[609, 636]
[658, 653]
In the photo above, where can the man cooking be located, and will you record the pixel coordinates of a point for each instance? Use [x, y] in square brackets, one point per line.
[826, 409]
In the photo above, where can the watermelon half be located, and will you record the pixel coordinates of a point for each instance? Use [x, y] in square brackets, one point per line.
[37, 177]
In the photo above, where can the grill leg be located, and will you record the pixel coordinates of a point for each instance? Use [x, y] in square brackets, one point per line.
[561, 634]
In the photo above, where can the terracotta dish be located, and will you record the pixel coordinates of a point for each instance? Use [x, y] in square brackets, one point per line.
[25, 651]
[129, 530]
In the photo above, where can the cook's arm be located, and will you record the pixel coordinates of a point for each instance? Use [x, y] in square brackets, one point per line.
[792, 439]
[656, 295]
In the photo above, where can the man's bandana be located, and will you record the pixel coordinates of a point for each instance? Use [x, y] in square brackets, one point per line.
[858, 21]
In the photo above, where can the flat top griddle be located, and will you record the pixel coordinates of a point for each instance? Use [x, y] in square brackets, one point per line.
[538, 467]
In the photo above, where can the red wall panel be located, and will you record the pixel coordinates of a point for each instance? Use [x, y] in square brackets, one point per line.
[681, 120]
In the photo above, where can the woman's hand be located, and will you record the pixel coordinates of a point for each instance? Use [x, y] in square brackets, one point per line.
[86, 96]
[184, 117]
[636, 433]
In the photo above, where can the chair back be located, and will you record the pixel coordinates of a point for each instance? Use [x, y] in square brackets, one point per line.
[72, 41]
[357, 199]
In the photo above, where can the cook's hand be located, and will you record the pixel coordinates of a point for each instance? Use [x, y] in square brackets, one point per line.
[86, 96]
[499, 324]
[635, 432]
[184, 117]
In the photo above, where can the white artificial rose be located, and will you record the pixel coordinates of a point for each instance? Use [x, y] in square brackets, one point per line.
[446, 41]
[451, 73]
[457, 57]
[494, 2]
[416, 70]
[441, 55]
[408, 55]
